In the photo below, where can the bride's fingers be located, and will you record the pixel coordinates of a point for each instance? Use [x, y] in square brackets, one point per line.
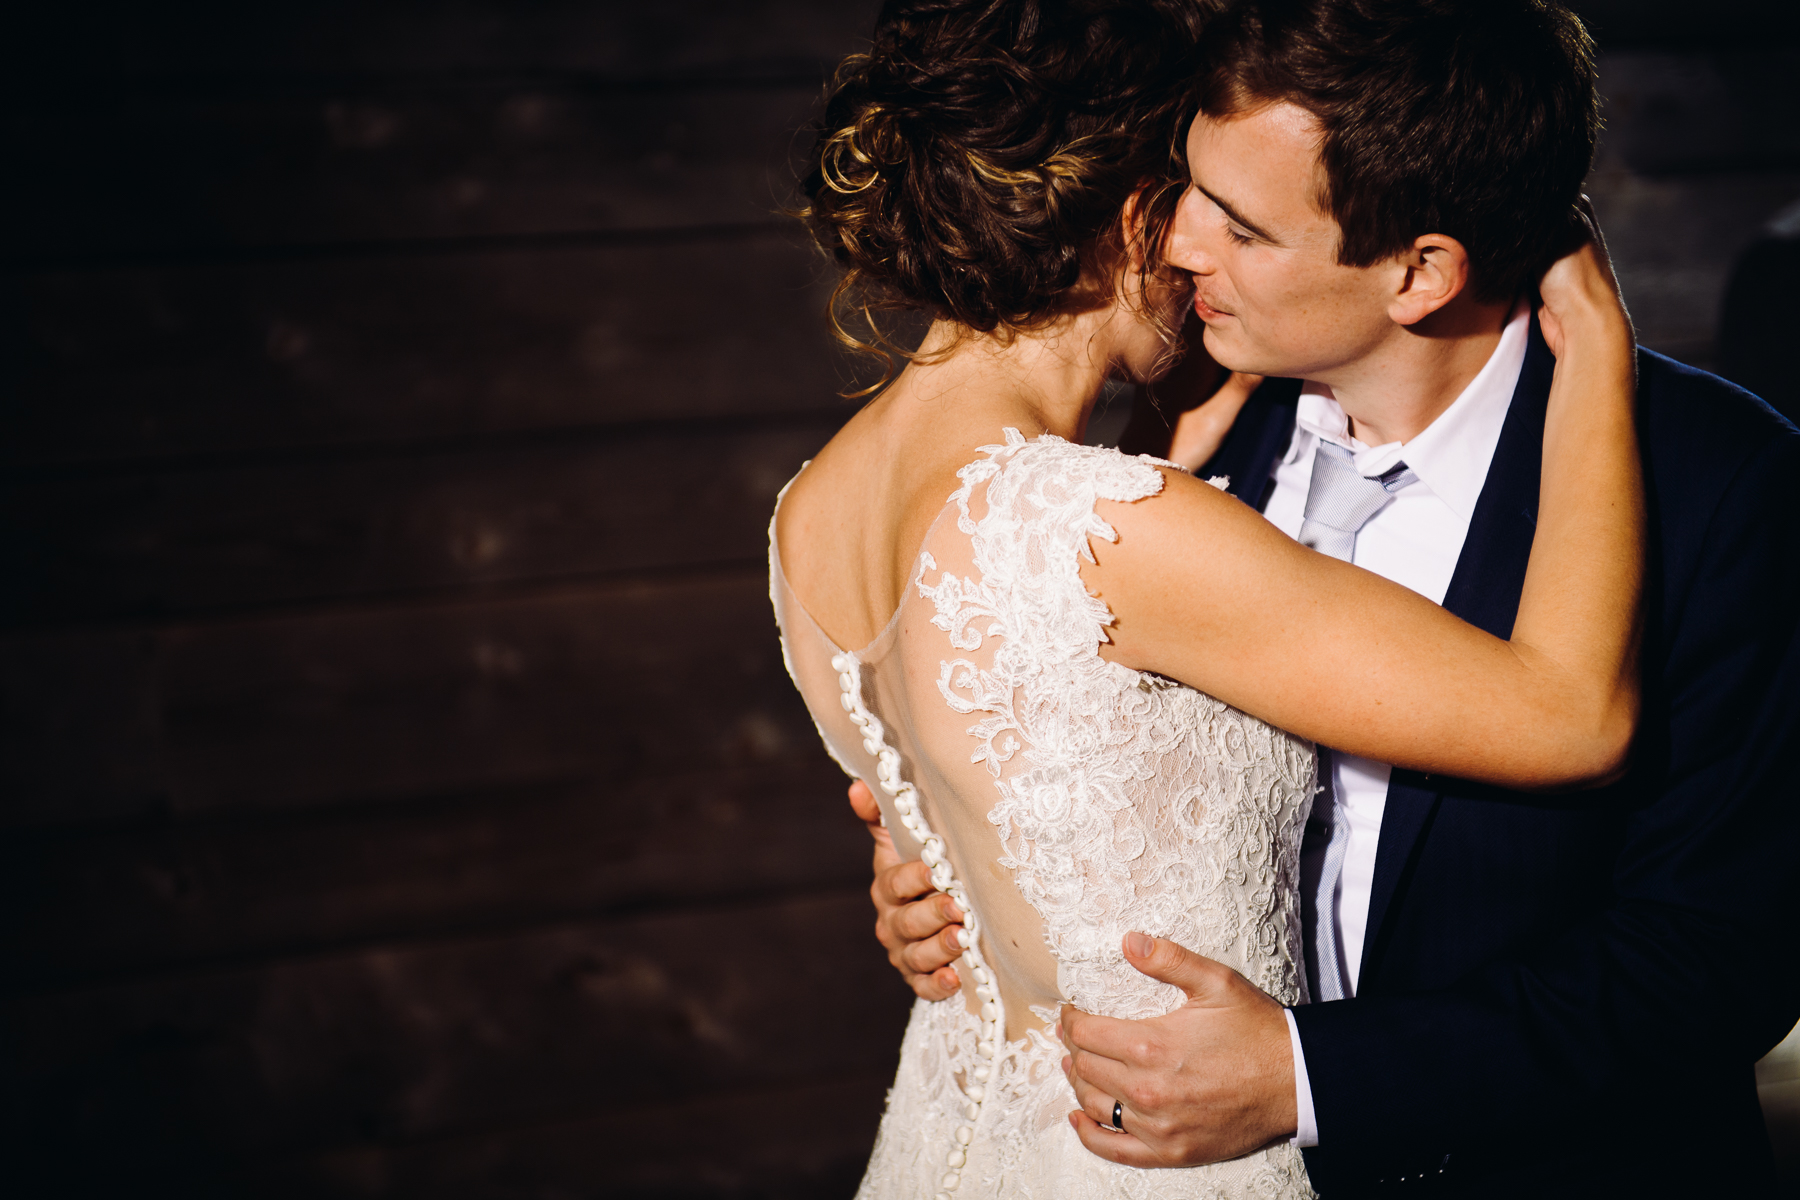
[1200, 431]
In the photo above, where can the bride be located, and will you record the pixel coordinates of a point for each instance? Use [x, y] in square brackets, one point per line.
[1084, 685]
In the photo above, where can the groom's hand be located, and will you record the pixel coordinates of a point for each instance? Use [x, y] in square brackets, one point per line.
[1210, 1081]
[917, 924]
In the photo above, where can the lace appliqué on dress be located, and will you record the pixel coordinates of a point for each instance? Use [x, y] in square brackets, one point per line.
[1125, 802]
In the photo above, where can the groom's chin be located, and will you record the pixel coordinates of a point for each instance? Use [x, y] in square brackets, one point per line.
[1224, 343]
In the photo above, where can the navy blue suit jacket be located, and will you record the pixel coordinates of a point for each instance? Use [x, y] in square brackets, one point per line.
[1564, 995]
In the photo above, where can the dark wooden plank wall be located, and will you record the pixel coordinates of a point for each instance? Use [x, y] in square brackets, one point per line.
[401, 791]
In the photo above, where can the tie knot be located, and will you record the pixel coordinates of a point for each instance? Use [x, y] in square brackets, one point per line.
[1341, 499]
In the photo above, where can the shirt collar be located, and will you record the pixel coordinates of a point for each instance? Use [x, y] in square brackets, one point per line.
[1451, 455]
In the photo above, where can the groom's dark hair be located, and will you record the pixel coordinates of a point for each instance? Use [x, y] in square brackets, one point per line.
[1475, 119]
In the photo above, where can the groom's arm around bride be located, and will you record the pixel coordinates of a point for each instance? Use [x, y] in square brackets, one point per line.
[1554, 995]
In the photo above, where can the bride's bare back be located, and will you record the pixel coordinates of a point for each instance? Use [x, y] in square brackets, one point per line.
[1062, 799]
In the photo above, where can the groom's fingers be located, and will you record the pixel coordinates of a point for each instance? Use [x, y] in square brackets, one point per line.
[1090, 1099]
[863, 803]
[933, 954]
[1096, 1099]
[1099, 1081]
[1115, 1147]
[908, 908]
[1128, 1042]
[919, 927]
[901, 883]
[1201, 978]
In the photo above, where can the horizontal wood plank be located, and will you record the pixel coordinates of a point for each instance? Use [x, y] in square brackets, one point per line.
[342, 161]
[156, 362]
[199, 539]
[111, 43]
[802, 1143]
[228, 358]
[203, 173]
[408, 1042]
[1676, 23]
[116, 44]
[601, 682]
[80, 905]
[1678, 111]
[1673, 241]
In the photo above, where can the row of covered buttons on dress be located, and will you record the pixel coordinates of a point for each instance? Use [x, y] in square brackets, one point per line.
[906, 803]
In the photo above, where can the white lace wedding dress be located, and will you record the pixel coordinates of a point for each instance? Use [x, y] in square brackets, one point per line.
[1064, 801]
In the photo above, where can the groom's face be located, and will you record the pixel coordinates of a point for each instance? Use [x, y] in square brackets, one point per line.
[1274, 298]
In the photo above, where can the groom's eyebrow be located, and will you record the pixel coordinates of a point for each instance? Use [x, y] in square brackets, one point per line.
[1238, 217]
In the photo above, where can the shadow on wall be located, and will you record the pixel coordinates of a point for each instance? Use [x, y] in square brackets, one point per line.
[1757, 323]
[1700, 156]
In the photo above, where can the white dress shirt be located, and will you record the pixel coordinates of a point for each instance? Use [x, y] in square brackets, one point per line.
[1414, 541]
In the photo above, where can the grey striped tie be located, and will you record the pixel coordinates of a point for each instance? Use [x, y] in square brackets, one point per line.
[1340, 501]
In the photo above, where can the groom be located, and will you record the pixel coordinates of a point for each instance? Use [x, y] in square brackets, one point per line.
[1514, 995]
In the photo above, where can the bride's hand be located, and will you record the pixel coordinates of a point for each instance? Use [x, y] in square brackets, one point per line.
[1581, 291]
[1202, 397]
[1199, 431]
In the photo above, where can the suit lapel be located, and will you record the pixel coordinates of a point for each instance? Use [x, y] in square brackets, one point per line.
[1484, 591]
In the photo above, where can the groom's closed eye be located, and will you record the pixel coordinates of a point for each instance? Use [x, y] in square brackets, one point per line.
[1246, 231]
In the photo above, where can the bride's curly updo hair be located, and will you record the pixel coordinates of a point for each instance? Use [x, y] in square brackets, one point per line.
[975, 163]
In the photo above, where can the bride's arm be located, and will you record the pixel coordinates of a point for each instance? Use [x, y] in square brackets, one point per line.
[1207, 592]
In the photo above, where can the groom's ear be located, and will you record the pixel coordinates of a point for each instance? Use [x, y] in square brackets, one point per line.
[1426, 277]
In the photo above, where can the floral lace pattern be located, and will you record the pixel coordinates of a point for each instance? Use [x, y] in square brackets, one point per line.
[1122, 801]
[1132, 802]
[1024, 1147]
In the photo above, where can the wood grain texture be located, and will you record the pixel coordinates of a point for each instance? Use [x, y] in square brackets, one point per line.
[185, 540]
[403, 1043]
[618, 681]
[228, 358]
[89, 904]
[1678, 112]
[1679, 24]
[1673, 239]
[1699, 151]
[110, 43]
[114, 44]
[342, 162]
[402, 793]
[402, 788]
[802, 1143]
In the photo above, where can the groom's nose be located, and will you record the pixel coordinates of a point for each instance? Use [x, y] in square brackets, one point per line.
[1187, 246]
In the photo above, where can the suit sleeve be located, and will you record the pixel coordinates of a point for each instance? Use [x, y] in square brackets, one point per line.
[1686, 970]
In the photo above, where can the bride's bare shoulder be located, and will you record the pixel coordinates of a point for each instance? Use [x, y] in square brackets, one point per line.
[1181, 500]
[1188, 523]
[822, 488]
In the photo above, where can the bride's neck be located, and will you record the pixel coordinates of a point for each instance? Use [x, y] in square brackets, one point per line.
[1044, 381]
